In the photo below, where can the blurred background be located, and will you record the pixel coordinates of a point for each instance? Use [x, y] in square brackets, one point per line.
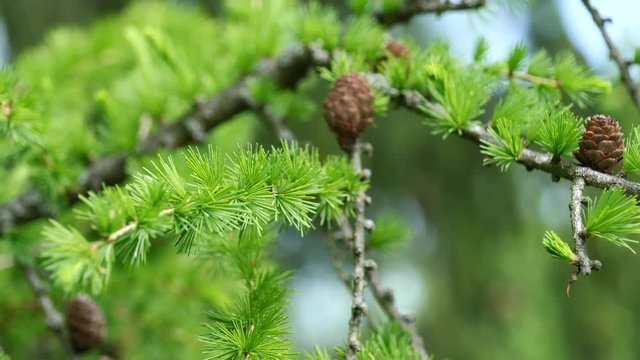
[472, 267]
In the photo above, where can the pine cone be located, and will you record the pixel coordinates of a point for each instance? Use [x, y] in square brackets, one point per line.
[85, 323]
[348, 108]
[398, 48]
[602, 146]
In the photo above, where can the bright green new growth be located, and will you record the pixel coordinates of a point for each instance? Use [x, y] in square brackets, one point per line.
[255, 324]
[391, 230]
[632, 152]
[248, 192]
[558, 249]
[558, 131]
[364, 37]
[517, 57]
[17, 117]
[507, 144]
[319, 24]
[388, 342]
[612, 216]
[460, 95]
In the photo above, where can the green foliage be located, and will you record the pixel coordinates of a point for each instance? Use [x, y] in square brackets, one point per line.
[565, 74]
[636, 57]
[250, 191]
[388, 342]
[3, 355]
[255, 324]
[520, 104]
[558, 131]
[632, 152]
[343, 63]
[318, 354]
[411, 73]
[516, 58]
[558, 249]
[480, 50]
[319, 24]
[73, 261]
[506, 145]
[459, 95]
[613, 216]
[17, 118]
[577, 82]
[363, 36]
[391, 229]
[290, 105]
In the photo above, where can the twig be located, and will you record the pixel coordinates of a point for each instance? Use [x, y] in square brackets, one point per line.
[358, 305]
[386, 299]
[412, 8]
[614, 53]
[583, 263]
[276, 122]
[384, 296]
[337, 260]
[53, 318]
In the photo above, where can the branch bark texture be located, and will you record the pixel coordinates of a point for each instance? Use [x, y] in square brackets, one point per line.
[358, 305]
[413, 8]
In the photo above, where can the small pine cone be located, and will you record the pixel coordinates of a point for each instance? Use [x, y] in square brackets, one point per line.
[348, 109]
[602, 145]
[398, 48]
[85, 323]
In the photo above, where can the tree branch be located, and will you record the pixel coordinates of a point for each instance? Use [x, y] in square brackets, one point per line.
[286, 70]
[614, 54]
[412, 8]
[529, 158]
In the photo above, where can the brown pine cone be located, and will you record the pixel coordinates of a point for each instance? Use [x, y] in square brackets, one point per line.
[602, 145]
[348, 109]
[398, 48]
[85, 323]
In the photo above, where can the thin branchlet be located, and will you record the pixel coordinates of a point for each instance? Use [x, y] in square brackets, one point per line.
[614, 53]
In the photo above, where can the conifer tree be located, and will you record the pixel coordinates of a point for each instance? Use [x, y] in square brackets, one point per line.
[134, 132]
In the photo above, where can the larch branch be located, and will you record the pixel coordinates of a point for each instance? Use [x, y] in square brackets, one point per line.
[412, 8]
[614, 53]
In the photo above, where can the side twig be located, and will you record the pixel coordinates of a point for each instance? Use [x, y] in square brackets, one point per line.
[54, 319]
[412, 8]
[384, 296]
[358, 305]
[614, 53]
[583, 263]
